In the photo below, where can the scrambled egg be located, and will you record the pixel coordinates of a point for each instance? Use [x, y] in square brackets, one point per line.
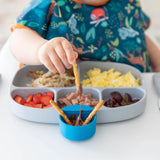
[110, 78]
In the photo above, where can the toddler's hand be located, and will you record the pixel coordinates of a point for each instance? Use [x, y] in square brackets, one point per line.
[56, 52]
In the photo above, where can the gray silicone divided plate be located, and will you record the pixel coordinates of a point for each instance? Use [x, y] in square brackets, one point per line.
[156, 82]
[104, 115]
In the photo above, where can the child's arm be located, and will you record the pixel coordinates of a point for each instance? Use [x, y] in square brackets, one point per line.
[30, 48]
[153, 53]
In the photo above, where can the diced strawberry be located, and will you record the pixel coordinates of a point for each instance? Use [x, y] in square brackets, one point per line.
[19, 99]
[48, 106]
[31, 102]
[27, 104]
[45, 93]
[45, 100]
[49, 93]
[38, 94]
[23, 101]
[29, 98]
[37, 105]
[36, 99]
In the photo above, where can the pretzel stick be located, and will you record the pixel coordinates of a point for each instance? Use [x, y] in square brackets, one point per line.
[97, 107]
[75, 70]
[61, 112]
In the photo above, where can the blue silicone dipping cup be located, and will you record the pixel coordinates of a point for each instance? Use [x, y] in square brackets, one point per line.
[77, 133]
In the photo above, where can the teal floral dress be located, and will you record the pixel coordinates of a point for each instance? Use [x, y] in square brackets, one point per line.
[111, 32]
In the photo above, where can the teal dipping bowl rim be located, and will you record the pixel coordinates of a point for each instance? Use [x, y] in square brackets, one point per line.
[77, 133]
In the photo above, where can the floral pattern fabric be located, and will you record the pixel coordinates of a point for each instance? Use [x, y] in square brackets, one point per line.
[111, 32]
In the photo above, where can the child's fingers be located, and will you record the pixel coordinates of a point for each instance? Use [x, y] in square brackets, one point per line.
[47, 62]
[76, 55]
[71, 55]
[62, 55]
[56, 61]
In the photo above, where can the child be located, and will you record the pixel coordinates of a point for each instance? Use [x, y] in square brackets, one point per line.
[48, 31]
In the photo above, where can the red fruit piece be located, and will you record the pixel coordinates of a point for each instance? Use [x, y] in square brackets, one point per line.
[29, 98]
[45, 100]
[22, 101]
[45, 93]
[38, 94]
[37, 105]
[36, 99]
[19, 99]
[49, 93]
[48, 106]
[28, 104]
[31, 104]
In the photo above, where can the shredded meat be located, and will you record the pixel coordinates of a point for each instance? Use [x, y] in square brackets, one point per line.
[75, 98]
